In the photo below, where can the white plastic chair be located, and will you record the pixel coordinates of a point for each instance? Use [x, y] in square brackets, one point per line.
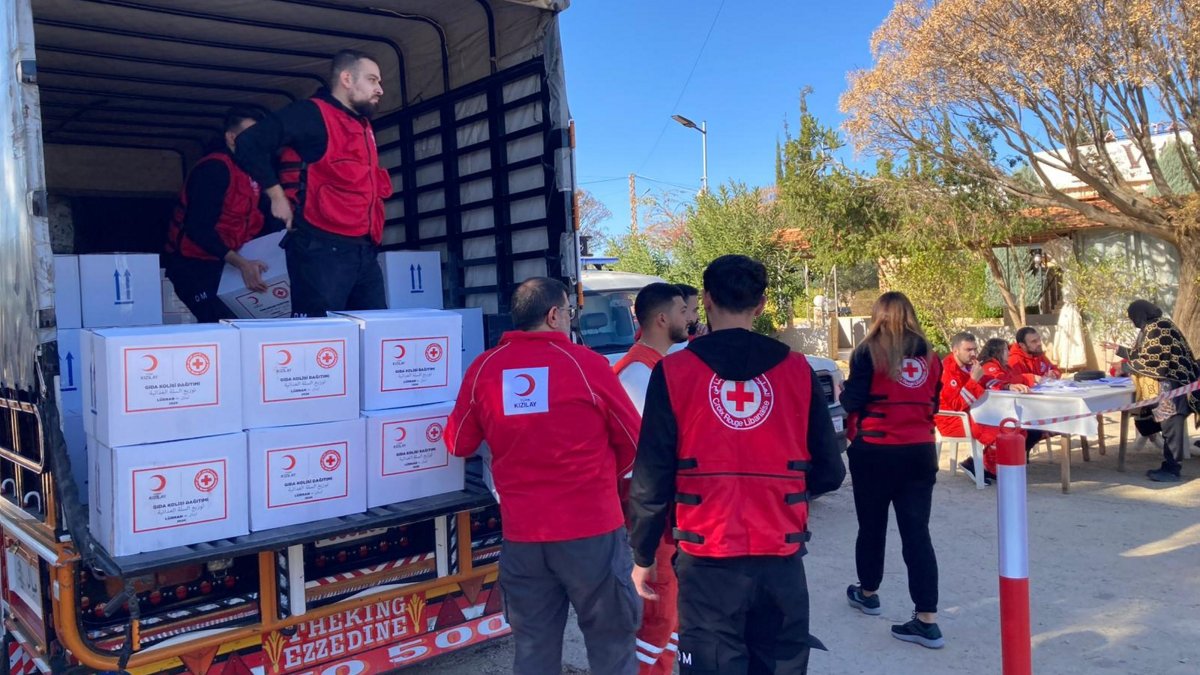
[976, 448]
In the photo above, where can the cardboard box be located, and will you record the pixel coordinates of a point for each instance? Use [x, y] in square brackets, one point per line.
[409, 357]
[152, 497]
[306, 473]
[70, 372]
[273, 303]
[412, 279]
[68, 312]
[473, 343]
[120, 289]
[162, 383]
[298, 371]
[407, 457]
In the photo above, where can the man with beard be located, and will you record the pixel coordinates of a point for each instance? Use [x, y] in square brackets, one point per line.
[662, 323]
[331, 196]
[1027, 357]
[660, 312]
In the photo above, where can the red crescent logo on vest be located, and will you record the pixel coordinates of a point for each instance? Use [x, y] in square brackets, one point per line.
[741, 405]
[913, 373]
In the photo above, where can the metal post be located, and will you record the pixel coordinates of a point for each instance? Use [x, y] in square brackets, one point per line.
[704, 155]
[1013, 525]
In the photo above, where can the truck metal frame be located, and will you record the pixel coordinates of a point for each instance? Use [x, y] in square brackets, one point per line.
[477, 137]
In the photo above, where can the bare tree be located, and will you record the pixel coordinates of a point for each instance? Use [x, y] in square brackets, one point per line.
[592, 212]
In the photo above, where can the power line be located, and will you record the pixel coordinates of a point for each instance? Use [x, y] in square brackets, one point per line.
[683, 90]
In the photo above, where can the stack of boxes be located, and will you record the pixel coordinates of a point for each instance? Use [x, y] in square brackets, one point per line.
[91, 292]
[196, 433]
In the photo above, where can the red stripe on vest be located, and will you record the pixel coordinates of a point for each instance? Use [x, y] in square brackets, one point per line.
[343, 192]
[741, 486]
[241, 220]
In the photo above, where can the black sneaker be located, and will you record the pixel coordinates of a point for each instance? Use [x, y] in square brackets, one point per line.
[1163, 476]
[925, 634]
[968, 465]
[866, 605]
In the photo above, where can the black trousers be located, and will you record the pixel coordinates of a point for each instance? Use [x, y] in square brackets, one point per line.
[901, 477]
[332, 274]
[593, 575]
[196, 283]
[743, 616]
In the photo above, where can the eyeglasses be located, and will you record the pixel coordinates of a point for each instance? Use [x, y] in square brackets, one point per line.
[569, 309]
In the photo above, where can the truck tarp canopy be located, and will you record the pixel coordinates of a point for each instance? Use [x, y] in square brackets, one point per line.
[160, 73]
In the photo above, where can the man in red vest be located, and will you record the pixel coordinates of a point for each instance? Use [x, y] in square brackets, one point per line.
[334, 208]
[218, 211]
[561, 432]
[660, 313]
[1027, 357]
[736, 436]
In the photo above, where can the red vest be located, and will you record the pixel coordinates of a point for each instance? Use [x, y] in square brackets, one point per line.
[241, 219]
[900, 411]
[343, 192]
[638, 353]
[741, 483]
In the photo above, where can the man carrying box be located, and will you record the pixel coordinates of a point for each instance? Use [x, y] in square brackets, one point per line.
[218, 212]
[561, 432]
[332, 203]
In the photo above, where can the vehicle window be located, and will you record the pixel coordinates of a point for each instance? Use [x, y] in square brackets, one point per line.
[607, 323]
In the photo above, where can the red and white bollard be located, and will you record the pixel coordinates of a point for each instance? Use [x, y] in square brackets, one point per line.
[1015, 636]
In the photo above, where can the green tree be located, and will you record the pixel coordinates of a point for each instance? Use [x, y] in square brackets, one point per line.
[639, 252]
[945, 303]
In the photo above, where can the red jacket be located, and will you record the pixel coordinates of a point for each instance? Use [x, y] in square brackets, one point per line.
[240, 221]
[898, 411]
[561, 431]
[1030, 367]
[959, 393]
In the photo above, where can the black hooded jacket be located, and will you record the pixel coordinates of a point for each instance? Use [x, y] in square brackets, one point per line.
[733, 354]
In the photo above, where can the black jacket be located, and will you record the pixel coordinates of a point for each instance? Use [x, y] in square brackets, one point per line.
[733, 354]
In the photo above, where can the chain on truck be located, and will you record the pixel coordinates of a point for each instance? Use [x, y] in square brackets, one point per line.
[106, 105]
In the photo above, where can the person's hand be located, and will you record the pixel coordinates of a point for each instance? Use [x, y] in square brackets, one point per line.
[701, 329]
[252, 271]
[976, 371]
[281, 208]
[1019, 388]
[642, 576]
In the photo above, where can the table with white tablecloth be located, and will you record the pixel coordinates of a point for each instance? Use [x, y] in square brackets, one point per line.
[1083, 400]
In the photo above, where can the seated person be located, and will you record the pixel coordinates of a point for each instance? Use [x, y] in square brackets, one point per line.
[997, 376]
[1027, 357]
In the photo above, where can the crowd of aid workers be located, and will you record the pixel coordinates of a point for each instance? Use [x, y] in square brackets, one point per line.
[664, 499]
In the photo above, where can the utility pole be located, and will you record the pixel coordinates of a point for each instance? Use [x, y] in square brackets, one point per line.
[633, 223]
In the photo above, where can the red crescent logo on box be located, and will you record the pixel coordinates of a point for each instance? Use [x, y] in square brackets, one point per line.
[198, 363]
[741, 405]
[400, 352]
[403, 434]
[913, 373]
[434, 433]
[280, 292]
[327, 357]
[331, 460]
[161, 482]
[433, 353]
[206, 480]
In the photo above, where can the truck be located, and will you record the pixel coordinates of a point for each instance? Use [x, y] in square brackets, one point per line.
[105, 105]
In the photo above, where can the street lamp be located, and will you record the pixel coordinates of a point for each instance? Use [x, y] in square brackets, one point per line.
[703, 129]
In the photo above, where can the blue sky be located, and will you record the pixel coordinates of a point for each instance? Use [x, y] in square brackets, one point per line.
[627, 62]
